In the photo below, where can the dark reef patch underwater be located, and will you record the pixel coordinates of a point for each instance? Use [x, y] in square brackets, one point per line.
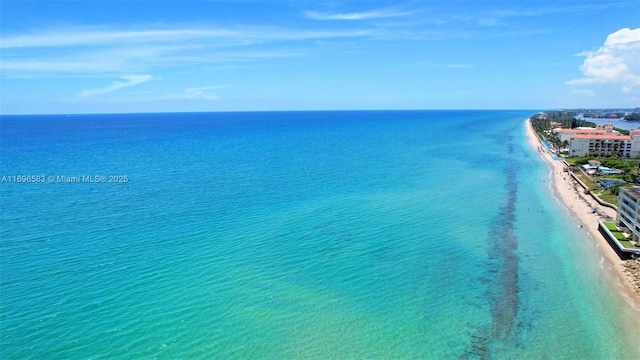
[346, 234]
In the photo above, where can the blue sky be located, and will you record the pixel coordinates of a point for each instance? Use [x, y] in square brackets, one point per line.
[149, 56]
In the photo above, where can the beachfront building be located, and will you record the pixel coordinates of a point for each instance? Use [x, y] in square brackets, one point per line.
[567, 134]
[601, 141]
[629, 210]
[605, 145]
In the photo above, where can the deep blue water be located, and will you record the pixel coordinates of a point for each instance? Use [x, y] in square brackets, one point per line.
[382, 234]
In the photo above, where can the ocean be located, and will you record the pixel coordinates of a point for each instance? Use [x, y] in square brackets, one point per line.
[275, 235]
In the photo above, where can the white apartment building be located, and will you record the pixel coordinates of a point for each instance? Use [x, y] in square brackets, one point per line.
[629, 210]
[601, 141]
[605, 145]
[567, 134]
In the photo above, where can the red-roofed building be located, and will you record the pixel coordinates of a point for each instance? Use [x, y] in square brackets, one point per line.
[567, 134]
[601, 141]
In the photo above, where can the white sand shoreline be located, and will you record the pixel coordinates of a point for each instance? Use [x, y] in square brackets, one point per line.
[563, 188]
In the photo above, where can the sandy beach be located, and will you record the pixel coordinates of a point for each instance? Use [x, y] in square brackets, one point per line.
[571, 195]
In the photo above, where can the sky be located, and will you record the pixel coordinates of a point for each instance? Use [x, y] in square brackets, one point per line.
[65, 57]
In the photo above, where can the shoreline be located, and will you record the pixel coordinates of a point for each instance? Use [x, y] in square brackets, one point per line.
[566, 190]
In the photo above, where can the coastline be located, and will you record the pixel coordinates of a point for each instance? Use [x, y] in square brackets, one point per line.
[564, 188]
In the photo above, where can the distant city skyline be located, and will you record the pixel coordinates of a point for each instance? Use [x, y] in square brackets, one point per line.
[160, 56]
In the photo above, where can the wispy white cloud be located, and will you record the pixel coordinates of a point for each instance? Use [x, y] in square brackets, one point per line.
[79, 36]
[491, 21]
[500, 16]
[107, 51]
[365, 15]
[38, 66]
[116, 60]
[551, 9]
[113, 60]
[615, 62]
[200, 93]
[448, 66]
[587, 92]
[83, 36]
[130, 80]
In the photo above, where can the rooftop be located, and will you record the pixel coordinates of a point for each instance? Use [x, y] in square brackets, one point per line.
[604, 137]
[590, 130]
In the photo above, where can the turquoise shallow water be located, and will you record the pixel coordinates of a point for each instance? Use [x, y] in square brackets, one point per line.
[400, 234]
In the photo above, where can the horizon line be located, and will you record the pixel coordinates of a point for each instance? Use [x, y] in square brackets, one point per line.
[308, 110]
